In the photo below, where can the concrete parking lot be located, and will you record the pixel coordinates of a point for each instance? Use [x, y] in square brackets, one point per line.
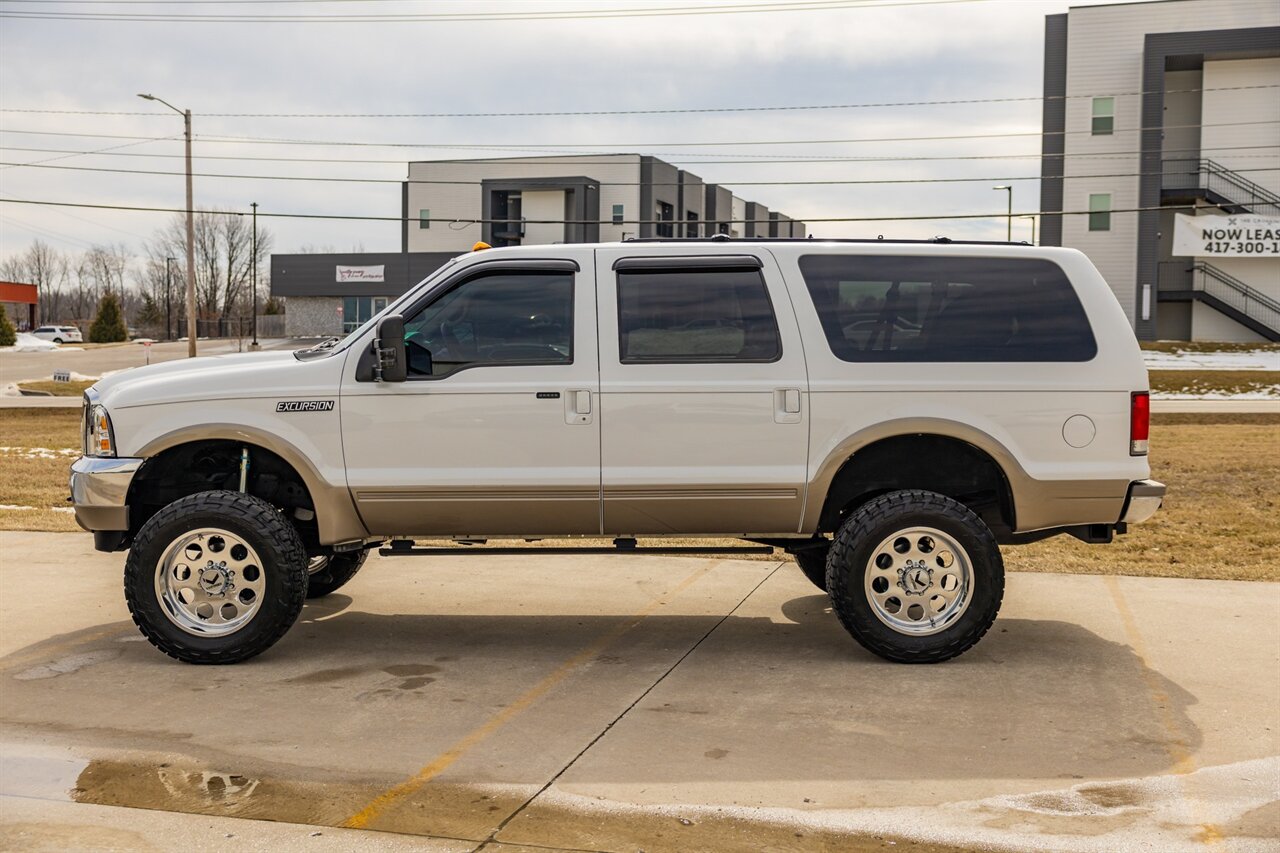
[623, 703]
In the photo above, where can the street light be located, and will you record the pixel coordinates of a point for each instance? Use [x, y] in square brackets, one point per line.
[191, 230]
[1009, 190]
[253, 263]
[1033, 227]
[168, 301]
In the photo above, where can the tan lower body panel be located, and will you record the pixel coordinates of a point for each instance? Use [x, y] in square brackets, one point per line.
[731, 510]
[1041, 504]
[480, 512]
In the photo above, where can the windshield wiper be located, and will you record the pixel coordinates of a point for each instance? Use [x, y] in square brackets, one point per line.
[319, 349]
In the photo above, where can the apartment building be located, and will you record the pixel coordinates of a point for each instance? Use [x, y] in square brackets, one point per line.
[1161, 160]
[582, 198]
[449, 205]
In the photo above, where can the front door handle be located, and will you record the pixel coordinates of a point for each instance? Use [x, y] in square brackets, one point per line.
[577, 406]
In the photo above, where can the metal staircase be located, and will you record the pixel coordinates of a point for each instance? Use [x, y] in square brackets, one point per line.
[1214, 182]
[1229, 295]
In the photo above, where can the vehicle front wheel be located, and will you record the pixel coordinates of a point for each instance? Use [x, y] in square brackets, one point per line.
[216, 577]
[915, 577]
[327, 574]
[57, 340]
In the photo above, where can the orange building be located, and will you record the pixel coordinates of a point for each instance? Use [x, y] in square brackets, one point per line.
[21, 296]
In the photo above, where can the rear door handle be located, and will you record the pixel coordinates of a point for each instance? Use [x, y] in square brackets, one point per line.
[787, 406]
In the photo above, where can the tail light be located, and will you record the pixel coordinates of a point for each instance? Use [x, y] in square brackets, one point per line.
[1139, 423]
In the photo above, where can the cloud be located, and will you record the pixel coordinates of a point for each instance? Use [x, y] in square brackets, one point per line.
[942, 52]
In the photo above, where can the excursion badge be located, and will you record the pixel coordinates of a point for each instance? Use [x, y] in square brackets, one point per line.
[304, 406]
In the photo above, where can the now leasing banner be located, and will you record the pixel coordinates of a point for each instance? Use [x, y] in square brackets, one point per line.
[1230, 236]
[362, 273]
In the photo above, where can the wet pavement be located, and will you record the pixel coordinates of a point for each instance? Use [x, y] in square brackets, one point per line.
[623, 703]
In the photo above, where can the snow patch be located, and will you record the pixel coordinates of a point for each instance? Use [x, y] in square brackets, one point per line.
[1259, 359]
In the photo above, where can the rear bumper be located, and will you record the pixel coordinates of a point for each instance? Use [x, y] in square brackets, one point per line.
[1144, 498]
[99, 489]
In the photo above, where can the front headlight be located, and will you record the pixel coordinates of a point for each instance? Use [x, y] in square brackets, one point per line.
[98, 438]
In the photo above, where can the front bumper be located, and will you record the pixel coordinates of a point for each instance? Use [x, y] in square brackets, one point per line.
[99, 489]
[1144, 498]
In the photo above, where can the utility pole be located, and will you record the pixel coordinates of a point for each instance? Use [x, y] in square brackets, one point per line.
[192, 326]
[253, 264]
[1009, 190]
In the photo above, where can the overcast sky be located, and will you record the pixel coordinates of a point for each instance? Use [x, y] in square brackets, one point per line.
[845, 53]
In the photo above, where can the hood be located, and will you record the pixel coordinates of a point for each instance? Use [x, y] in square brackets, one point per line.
[236, 376]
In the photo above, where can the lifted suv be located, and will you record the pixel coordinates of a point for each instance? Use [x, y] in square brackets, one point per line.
[888, 412]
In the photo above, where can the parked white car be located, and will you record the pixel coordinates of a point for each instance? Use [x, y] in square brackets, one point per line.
[59, 334]
[889, 412]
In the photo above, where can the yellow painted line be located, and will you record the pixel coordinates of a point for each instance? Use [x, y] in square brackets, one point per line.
[1178, 749]
[391, 796]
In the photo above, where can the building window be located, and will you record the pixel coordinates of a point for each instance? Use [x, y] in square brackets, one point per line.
[358, 310]
[619, 212]
[664, 213]
[1099, 211]
[424, 218]
[691, 228]
[1104, 116]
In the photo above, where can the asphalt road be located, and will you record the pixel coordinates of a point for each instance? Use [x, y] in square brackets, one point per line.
[623, 703]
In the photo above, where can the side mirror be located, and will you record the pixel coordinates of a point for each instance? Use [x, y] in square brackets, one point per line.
[390, 363]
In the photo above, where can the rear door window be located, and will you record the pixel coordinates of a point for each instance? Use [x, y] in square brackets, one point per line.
[884, 308]
[695, 315]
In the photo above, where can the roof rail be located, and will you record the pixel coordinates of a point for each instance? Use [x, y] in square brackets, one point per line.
[725, 238]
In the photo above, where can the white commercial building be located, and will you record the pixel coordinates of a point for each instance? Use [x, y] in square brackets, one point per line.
[1161, 160]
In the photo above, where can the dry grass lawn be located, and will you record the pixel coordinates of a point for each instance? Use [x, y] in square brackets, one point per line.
[1206, 346]
[1220, 520]
[1219, 382]
[58, 389]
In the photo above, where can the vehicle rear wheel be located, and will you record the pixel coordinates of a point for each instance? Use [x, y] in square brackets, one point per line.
[813, 562]
[57, 340]
[329, 573]
[215, 577]
[915, 577]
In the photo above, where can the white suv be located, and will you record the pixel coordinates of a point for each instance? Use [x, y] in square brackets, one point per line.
[888, 412]
[59, 334]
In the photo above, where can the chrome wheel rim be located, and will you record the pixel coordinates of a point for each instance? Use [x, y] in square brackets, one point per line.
[210, 582]
[316, 564]
[919, 581]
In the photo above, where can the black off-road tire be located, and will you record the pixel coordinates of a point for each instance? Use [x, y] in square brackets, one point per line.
[852, 550]
[813, 562]
[284, 572]
[339, 569]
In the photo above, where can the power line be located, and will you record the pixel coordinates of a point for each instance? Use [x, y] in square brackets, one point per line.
[468, 221]
[242, 140]
[769, 142]
[476, 183]
[672, 111]
[533, 161]
[460, 17]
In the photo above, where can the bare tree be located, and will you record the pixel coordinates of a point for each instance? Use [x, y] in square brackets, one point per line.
[223, 246]
[46, 268]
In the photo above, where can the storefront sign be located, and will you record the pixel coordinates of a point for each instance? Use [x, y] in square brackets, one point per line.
[362, 273]
[1242, 235]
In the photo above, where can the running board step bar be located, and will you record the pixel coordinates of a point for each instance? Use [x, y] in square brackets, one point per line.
[404, 548]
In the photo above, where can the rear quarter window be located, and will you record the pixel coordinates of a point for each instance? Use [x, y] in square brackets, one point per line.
[886, 308]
